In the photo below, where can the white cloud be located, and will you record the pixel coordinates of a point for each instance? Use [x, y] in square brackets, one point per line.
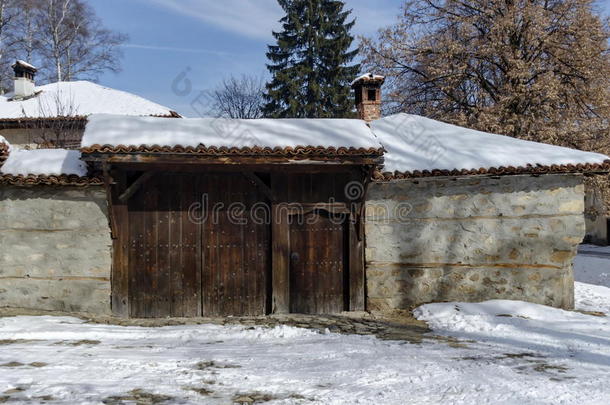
[175, 49]
[257, 18]
[253, 19]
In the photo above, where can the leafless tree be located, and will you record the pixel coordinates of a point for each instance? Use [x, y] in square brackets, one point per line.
[535, 69]
[73, 43]
[56, 124]
[239, 97]
[8, 15]
[25, 30]
[64, 38]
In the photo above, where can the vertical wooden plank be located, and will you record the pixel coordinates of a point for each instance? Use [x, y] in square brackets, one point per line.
[280, 259]
[136, 254]
[356, 276]
[206, 244]
[176, 271]
[119, 215]
[161, 200]
[190, 249]
[149, 272]
[198, 250]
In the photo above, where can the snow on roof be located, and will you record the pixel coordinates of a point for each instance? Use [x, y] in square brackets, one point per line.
[80, 98]
[367, 76]
[48, 162]
[25, 64]
[118, 130]
[415, 143]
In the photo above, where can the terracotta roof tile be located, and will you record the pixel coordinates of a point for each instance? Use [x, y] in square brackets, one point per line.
[307, 151]
[62, 180]
[497, 171]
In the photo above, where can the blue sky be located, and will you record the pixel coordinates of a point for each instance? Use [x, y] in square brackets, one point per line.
[205, 41]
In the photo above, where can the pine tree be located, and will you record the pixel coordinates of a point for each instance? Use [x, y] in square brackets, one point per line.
[310, 62]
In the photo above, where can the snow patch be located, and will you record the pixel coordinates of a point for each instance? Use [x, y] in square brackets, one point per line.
[44, 162]
[368, 76]
[149, 131]
[418, 143]
[592, 298]
[25, 64]
[572, 339]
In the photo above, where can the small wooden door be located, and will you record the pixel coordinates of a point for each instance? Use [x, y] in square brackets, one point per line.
[318, 263]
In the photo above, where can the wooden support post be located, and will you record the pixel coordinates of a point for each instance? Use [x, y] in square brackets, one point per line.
[120, 244]
[280, 233]
[357, 295]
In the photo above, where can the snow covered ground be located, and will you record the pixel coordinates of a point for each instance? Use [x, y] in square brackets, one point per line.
[509, 353]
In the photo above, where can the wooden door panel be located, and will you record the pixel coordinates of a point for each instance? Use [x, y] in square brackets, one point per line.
[164, 249]
[236, 250]
[317, 265]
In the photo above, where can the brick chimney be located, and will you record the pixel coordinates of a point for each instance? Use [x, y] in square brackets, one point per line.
[367, 89]
[4, 151]
[24, 80]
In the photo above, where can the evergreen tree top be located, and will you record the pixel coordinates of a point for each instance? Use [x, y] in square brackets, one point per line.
[310, 61]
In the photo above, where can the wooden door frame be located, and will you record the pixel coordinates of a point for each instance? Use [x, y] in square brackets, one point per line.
[355, 294]
[278, 286]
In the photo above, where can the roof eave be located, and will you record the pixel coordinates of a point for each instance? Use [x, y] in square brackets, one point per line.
[582, 168]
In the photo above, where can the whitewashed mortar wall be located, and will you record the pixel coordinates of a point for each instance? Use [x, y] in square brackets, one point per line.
[473, 239]
[55, 249]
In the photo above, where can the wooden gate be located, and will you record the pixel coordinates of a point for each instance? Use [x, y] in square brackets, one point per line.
[195, 249]
[318, 263]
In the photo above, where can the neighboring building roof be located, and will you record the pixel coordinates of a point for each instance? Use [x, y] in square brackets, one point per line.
[421, 147]
[45, 167]
[120, 134]
[49, 162]
[78, 99]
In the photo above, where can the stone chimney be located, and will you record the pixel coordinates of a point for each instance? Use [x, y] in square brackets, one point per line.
[24, 79]
[368, 96]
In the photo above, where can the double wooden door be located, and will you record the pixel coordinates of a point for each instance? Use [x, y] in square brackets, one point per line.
[194, 249]
[201, 245]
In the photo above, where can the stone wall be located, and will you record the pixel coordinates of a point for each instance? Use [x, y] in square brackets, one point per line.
[55, 249]
[32, 138]
[473, 239]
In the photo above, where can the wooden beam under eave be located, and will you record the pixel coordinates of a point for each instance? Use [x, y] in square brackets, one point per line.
[135, 186]
[194, 159]
[265, 189]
